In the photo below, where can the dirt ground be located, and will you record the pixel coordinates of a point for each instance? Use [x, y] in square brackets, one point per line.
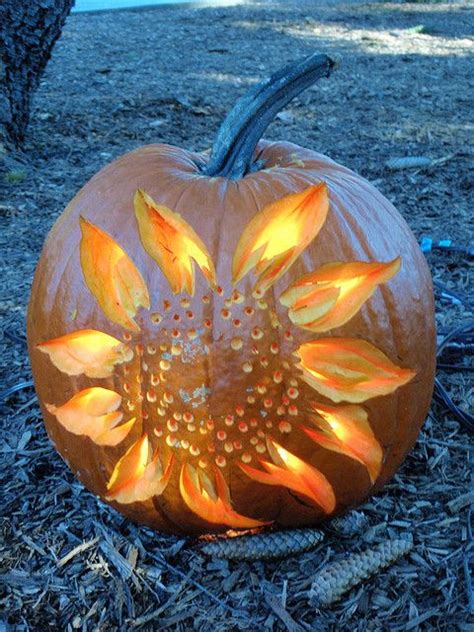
[118, 80]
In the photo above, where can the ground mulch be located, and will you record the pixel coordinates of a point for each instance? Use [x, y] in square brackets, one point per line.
[121, 79]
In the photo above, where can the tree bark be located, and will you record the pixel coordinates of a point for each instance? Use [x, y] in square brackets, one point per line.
[28, 31]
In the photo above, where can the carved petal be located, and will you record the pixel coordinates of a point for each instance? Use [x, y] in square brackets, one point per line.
[134, 479]
[333, 294]
[348, 369]
[172, 243]
[346, 429]
[292, 472]
[112, 277]
[278, 234]
[211, 503]
[86, 351]
[93, 413]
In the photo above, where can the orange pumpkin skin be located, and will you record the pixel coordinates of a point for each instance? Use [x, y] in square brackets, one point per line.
[209, 378]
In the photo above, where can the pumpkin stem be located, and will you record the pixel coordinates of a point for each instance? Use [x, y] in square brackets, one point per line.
[233, 150]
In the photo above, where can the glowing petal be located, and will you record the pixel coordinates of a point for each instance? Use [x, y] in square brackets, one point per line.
[346, 429]
[173, 244]
[278, 234]
[348, 369]
[134, 479]
[211, 503]
[93, 413]
[112, 277]
[88, 351]
[292, 472]
[333, 294]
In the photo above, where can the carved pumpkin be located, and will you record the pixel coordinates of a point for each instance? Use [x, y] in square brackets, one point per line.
[235, 341]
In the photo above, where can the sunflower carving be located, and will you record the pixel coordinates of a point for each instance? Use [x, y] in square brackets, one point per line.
[161, 430]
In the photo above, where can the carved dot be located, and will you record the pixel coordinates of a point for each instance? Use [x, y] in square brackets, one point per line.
[126, 387]
[254, 350]
[185, 302]
[281, 410]
[195, 451]
[161, 411]
[285, 365]
[191, 428]
[221, 435]
[236, 343]
[176, 350]
[261, 388]
[251, 399]
[221, 461]
[247, 367]
[288, 336]
[269, 424]
[151, 349]
[253, 422]
[293, 382]
[260, 434]
[237, 322]
[144, 366]
[243, 426]
[165, 365]
[203, 431]
[238, 445]
[164, 347]
[210, 424]
[172, 425]
[249, 311]
[277, 377]
[264, 362]
[261, 304]
[292, 410]
[188, 417]
[253, 440]
[229, 420]
[170, 441]
[151, 396]
[228, 302]
[168, 397]
[177, 318]
[190, 314]
[261, 448]
[202, 462]
[192, 334]
[158, 431]
[268, 403]
[240, 410]
[246, 457]
[163, 376]
[175, 333]
[207, 323]
[274, 347]
[130, 405]
[211, 448]
[292, 393]
[226, 314]
[257, 293]
[284, 427]
[219, 290]
[139, 348]
[228, 447]
[184, 444]
[177, 416]
[206, 299]
[257, 333]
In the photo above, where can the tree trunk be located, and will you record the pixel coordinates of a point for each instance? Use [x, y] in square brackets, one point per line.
[28, 32]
